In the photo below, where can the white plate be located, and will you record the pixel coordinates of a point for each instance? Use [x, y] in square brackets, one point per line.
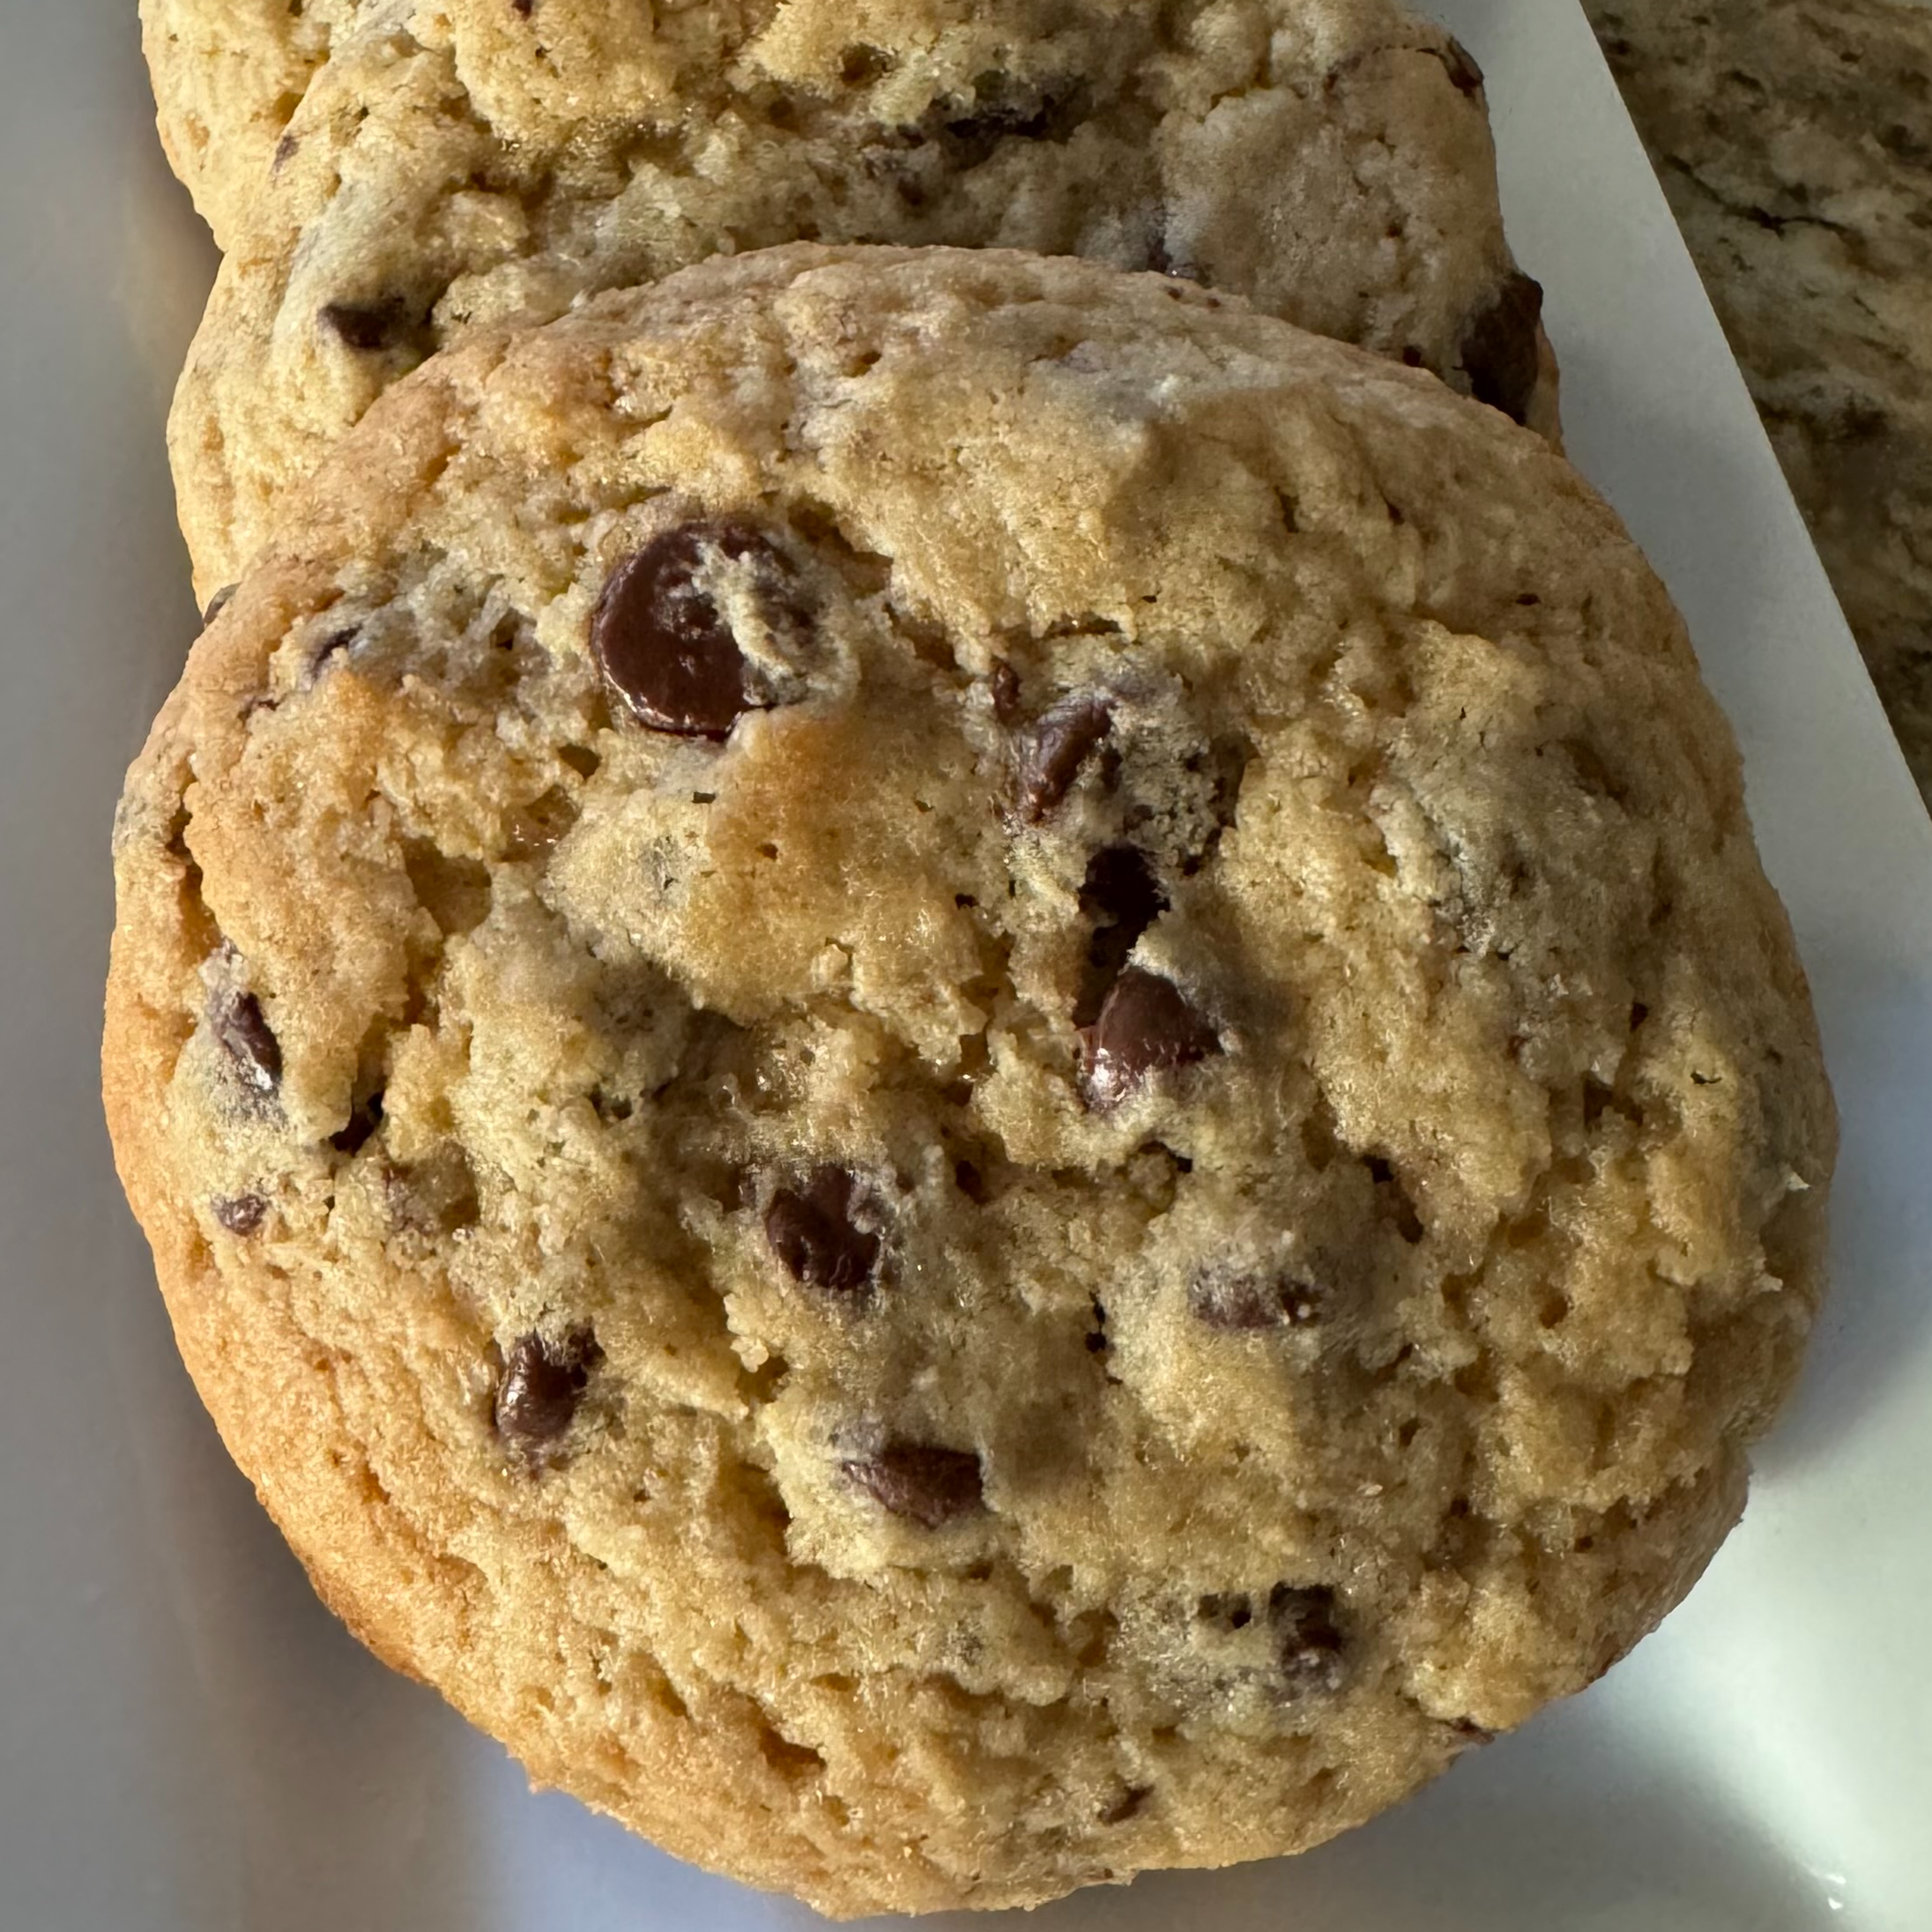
[188, 1743]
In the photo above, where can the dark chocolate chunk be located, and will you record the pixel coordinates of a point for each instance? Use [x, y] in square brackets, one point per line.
[1051, 753]
[1501, 347]
[540, 1386]
[244, 1035]
[1241, 1299]
[369, 326]
[1463, 66]
[661, 642]
[1308, 1641]
[240, 1214]
[1146, 1027]
[812, 1231]
[219, 603]
[919, 1480]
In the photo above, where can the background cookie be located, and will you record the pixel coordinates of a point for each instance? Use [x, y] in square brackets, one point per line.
[228, 75]
[969, 1073]
[470, 163]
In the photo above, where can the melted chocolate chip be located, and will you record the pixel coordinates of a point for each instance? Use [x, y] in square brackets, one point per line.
[1308, 1641]
[812, 1231]
[1501, 348]
[244, 1036]
[1122, 896]
[370, 326]
[1241, 1300]
[219, 603]
[1463, 66]
[1146, 1027]
[661, 642]
[1051, 753]
[542, 1384]
[240, 1214]
[919, 1480]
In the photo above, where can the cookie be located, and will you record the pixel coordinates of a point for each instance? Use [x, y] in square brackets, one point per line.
[228, 75]
[971, 1073]
[473, 163]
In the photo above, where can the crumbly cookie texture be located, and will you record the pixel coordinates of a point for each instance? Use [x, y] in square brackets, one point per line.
[227, 75]
[971, 1073]
[462, 165]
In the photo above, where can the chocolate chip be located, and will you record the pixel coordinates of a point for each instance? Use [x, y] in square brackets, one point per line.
[240, 1214]
[244, 1036]
[219, 603]
[1308, 1641]
[1126, 1805]
[1146, 1027]
[1122, 896]
[926, 1484]
[540, 1386]
[1051, 754]
[812, 1231]
[1240, 1300]
[367, 326]
[1461, 64]
[285, 152]
[1005, 693]
[1502, 349]
[661, 640]
[522, 7]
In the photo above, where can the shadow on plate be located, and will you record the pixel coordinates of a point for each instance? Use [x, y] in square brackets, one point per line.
[1690, 503]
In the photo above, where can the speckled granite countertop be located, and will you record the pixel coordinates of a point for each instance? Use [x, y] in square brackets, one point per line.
[1794, 138]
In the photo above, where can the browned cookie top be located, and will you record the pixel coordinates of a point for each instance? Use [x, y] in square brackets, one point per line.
[972, 1074]
[460, 164]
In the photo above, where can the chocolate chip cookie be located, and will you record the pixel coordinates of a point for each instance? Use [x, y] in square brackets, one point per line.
[972, 1075]
[228, 75]
[457, 166]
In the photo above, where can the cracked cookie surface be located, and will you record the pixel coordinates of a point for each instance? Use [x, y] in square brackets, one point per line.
[969, 1073]
[228, 75]
[457, 166]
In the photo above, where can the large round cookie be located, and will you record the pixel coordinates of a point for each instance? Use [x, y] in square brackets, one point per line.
[971, 1073]
[461, 164]
[228, 75]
